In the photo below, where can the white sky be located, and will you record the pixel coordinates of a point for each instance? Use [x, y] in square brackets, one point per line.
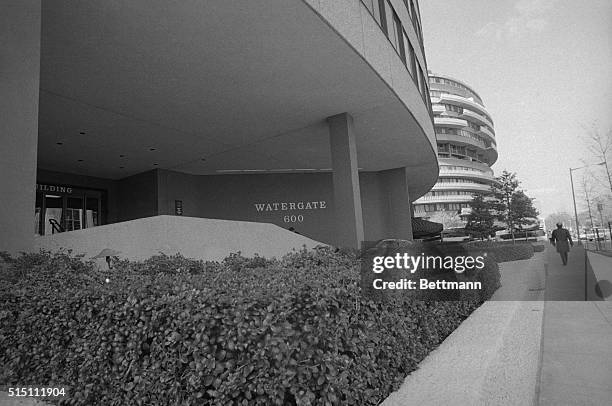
[542, 68]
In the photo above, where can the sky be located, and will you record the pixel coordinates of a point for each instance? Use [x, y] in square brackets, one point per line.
[543, 70]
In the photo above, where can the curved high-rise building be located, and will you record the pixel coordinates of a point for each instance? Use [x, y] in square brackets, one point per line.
[466, 151]
[311, 115]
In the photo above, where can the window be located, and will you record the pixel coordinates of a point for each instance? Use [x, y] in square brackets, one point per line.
[383, 16]
[399, 37]
[413, 68]
[456, 109]
[423, 85]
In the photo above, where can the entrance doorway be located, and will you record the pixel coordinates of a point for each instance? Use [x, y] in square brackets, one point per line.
[64, 208]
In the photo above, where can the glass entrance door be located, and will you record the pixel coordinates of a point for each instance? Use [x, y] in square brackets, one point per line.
[54, 207]
[73, 217]
[92, 212]
[66, 209]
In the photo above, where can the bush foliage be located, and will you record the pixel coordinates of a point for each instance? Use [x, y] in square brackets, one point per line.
[505, 252]
[175, 331]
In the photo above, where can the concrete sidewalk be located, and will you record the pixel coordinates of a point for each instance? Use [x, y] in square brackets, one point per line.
[576, 366]
[526, 351]
[493, 357]
[601, 266]
[566, 283]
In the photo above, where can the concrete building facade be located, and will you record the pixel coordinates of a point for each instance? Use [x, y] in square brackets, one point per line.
[466, 150]
[313, 115]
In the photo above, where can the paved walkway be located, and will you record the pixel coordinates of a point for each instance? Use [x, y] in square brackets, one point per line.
[519, 349]
[493, 357]
[576, 367]
[601, 265]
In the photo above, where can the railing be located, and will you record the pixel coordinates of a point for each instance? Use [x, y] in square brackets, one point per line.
[452, 198]
[464, 101]
[485, 130]
[468, 174]
[479, 117]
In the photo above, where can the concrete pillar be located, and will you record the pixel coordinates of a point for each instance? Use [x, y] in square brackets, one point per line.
[347, 196]
[398, 216]
[19, 87]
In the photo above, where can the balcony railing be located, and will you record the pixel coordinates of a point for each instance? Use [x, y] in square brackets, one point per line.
[461, 139]
[462, 101]
[479, 118]
[468, 174]
[477, 187]
[445, 199]
[450, 122]
[484, 130]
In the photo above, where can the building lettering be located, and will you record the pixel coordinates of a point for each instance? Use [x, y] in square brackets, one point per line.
[53, 188]
[290, 206]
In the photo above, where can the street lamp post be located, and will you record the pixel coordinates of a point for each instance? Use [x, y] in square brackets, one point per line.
[575, 209]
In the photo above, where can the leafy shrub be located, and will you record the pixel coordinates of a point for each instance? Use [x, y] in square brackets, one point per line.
[488, 275]
[171, 330]
[504, 252]
[538, 247]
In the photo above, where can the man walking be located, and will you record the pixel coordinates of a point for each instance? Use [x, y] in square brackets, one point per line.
[562, 239]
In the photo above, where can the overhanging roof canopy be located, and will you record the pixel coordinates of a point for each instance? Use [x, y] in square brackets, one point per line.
[210, 86]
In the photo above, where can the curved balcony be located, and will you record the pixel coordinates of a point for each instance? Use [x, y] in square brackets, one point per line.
[477, 118]
[464, 186]
[466, 174]
[438, 108]
[464, 162]
[461, 140]
[463, 102]
[455, 85]
[485, 131]
[491, 154]
[444, 168]
[450, 122]
[443, 199]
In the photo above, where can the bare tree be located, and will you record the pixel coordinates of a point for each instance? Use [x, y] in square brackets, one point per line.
[559, 217]
[590, 195]
[600, 145]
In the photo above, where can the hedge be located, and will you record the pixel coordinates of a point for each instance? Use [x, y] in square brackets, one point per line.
[489, 276]
[175, 331]
[505, 252]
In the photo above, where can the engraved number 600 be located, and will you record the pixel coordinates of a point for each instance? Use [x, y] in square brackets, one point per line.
[293, 219]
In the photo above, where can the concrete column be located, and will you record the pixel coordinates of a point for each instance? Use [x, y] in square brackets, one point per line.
[398, 216]
[19, 87]
[347, 196]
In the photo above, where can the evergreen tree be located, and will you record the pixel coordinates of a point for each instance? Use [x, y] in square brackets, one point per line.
[506, 186]
[481, 218]
[521, 211]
